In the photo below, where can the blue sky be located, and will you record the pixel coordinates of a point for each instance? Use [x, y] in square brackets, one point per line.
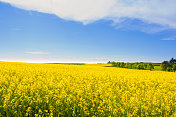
[31, 34]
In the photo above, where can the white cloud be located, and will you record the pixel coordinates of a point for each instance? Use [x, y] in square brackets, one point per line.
[31, 59]
[41, 53]
[169, 39]
[159, 12]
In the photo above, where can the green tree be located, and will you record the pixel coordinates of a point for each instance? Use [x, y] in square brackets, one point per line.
[172, 61]
[114, 64]
[164, 65]
[174, 68]
[130, 65]
[140, 66]
[122, 64]
[145, 66]
[169, 69]
[118, 64]
[150, 66]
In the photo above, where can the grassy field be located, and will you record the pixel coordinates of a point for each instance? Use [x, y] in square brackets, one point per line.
[84, 90]
[158, 68]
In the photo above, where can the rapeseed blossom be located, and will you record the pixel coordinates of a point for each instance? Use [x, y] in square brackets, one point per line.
[84, 90]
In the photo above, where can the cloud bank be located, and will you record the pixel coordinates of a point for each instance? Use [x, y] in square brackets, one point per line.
[158, 12]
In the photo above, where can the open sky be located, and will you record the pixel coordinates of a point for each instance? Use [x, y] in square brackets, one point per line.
[87, 31]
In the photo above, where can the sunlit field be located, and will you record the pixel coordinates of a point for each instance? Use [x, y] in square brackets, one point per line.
[84, 90]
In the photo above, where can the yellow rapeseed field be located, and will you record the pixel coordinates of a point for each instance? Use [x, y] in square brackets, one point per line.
[84, 90]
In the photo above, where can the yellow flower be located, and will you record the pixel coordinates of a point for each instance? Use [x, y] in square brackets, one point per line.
[85, 90]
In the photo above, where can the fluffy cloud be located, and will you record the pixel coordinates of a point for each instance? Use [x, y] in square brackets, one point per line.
[158, 12]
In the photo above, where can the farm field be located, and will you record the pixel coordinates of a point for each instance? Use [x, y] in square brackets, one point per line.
[31, 89]
[157, 68]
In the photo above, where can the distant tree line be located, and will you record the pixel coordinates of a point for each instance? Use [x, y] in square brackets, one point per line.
[140, 66]
[169, 66]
